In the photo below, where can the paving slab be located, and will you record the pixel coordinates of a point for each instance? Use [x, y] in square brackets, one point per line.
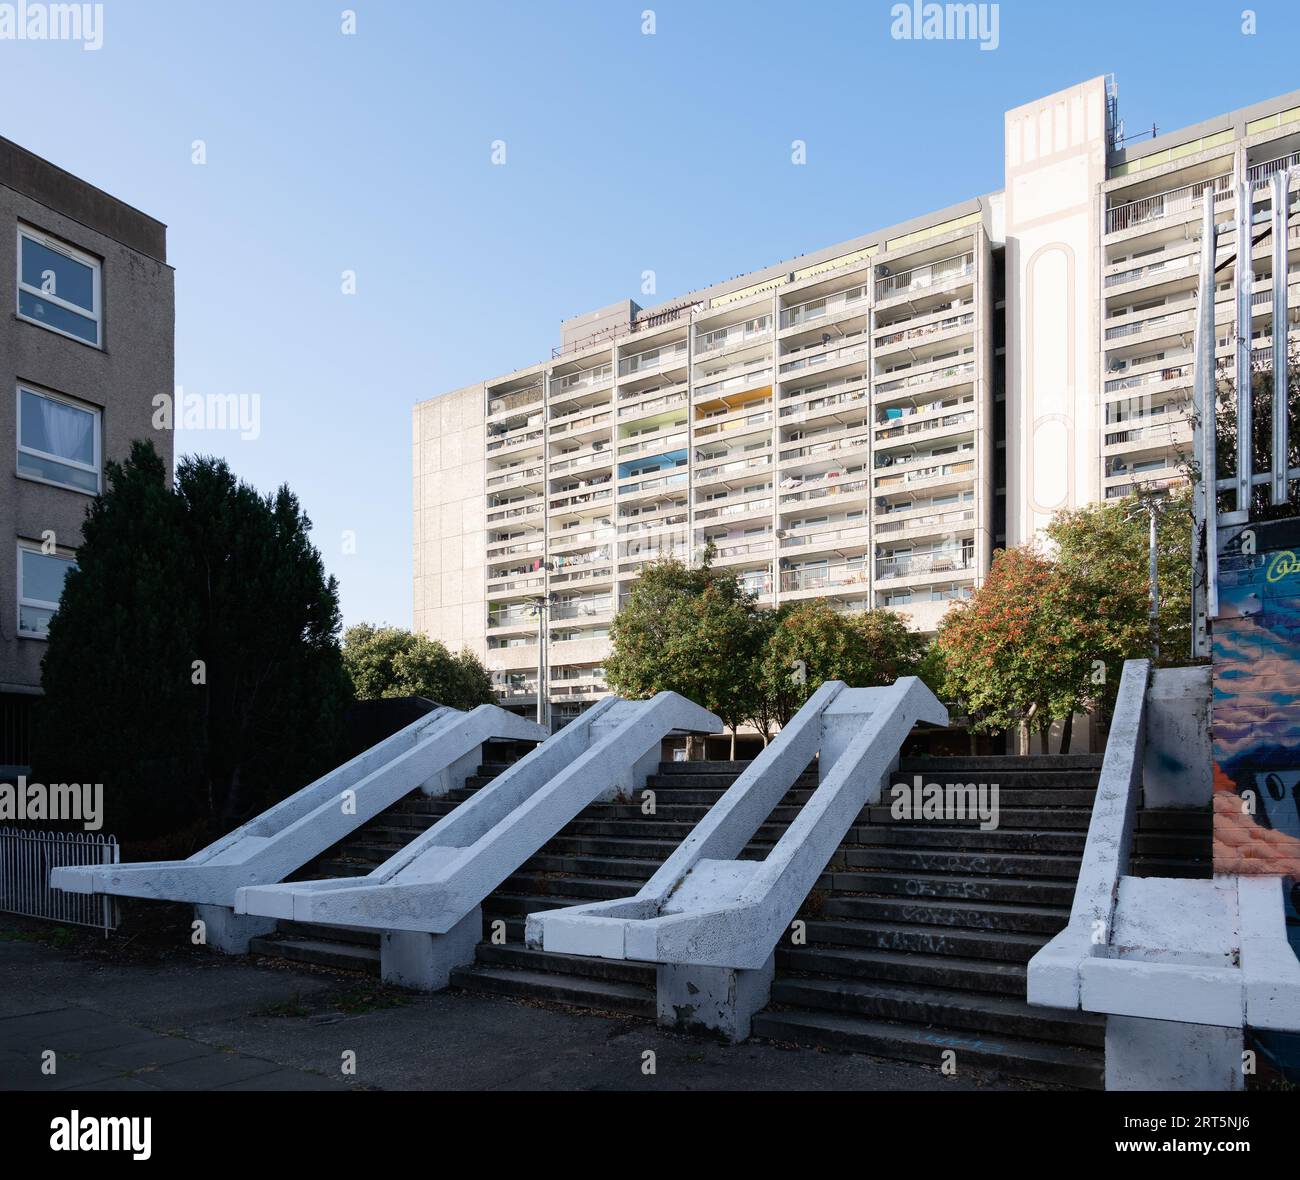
[209, 1022]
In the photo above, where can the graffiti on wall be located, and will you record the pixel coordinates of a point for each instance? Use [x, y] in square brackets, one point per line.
[1256, 709]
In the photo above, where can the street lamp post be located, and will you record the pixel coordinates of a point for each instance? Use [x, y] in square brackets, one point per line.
[541, 604]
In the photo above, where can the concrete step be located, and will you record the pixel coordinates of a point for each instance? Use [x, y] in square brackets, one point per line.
[524, 959]
[1014, 1056]
[1008, 946]
[1072, 819]
[943, 1008]
[345, 956]
[960, 887]
[1000, 840]
[949, 971]
[977, 862]
[597, 994]
[1004, 762]
[949, 914]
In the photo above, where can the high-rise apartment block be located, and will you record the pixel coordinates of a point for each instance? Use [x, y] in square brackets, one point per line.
[865, 423]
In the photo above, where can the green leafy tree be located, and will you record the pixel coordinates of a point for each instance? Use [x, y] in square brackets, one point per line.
[691, 630]
[1000, 648]
[193, 666]
[392, 662]
[1103, 552]
[1046, 636]
[811, 643]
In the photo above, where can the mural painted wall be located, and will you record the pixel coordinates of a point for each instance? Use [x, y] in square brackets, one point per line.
[1256, 720]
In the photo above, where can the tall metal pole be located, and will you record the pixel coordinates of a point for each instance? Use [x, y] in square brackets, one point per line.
[542, 603]
[1281, 451]
[1153, 573]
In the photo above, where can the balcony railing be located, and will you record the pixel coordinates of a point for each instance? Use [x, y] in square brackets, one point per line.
[921, 474]
[716, 511]
[925, 563]
[921, 278]
[847, 535]
[749, 421]
[1138, 380]
[652, 359]
[734, 467]
[821, 355]
[1137, 327]
[931, 423]
[909, 335]
[825, 577]
[1259, 174]
[750, 332]
[820, 309]
[586, 379]
[586, 608]
[1163, 432]
[930, 377]
[1183, 262]
[936, 520]
[673, 397]
[1167, 204]
[858, 392]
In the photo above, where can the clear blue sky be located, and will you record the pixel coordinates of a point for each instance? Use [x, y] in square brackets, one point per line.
[625, 153]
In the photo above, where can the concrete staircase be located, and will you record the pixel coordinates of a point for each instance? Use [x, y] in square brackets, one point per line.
[917, 934]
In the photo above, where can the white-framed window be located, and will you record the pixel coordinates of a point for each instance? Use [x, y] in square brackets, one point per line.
[59, 287]
[59, 440]
[40, 586]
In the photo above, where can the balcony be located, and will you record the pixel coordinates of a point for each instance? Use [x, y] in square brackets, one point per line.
[843, 575]
[512, 616]
[740, 376]
[937, 472]
[825, 309]
[1260, 174]
[850, 348]
[913, 336]
[821, 537]
[860, 440]
[1158, 434]
[923, 278]
[732, 469]
[1184, 264]
[676, 396]
[709, 429]
[518, 400]
[725, 511]
[735, 336]
[856, 390]
[591, 378]
[941, 375]
[676, 480]
[653, 359]
[1174, 202]
[925, 564]
[936, 522]
[583, 608]
[925, 425]
[514, 476]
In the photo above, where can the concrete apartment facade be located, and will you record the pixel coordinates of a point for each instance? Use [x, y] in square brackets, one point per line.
[866, 423]
[86, 347]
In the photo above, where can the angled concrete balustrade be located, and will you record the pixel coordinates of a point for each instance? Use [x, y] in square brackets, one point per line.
[426, 899]
[1180, 967]
[712, 921]
[437, 753]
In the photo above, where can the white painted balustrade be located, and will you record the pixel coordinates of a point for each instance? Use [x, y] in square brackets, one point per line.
[426, 899]
[436, 752]
[711, 920]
